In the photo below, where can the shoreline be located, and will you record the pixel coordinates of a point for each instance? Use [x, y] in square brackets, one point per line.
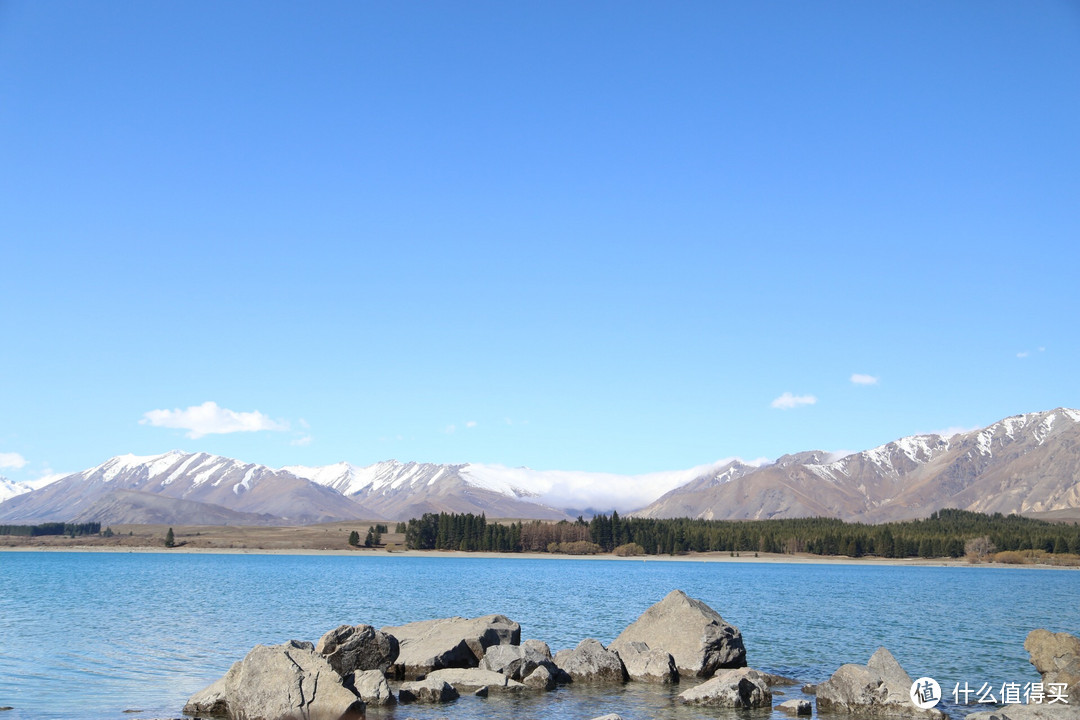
[761, 559]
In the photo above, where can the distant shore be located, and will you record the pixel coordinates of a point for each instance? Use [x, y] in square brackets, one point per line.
[331, 539]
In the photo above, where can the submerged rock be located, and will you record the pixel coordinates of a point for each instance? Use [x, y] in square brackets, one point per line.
[427, 691]
[879, 688]
[590, 661]
[736, 688]
[469, 679]
[694, 634]
[796, 707]
[279, 682]
[449, 642]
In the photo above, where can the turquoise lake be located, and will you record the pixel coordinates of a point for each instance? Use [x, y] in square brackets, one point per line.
[87, 636]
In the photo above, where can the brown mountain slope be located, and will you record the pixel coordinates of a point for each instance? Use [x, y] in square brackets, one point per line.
[1026, 463]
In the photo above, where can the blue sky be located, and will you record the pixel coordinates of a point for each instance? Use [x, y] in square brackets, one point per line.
[588, 236]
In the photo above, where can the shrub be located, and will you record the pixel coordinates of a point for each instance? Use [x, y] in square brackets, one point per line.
[629, 550]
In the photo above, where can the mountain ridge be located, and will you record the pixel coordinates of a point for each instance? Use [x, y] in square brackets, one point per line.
[1023, 463]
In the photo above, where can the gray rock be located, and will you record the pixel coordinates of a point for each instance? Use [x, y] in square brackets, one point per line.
[469, 679]
[590, 661]
[694, 634]
[426, 691]
[881, 688]
[481, 691]
[796, 707]
[1057, 711]
[609, 716]
[809, 689]
[538, 646]
[643, 664]
[372, 687]
[1057, 658]
[737, 688]
[358, 647]
[542, 678]
[280, 682]
[449, 642]
[514, 661]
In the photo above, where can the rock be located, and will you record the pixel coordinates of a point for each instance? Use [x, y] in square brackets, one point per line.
[1057, 711]
[538, 646]
[358, 647]
[514, 661]
[647, 665]
[279, 682]
[1057, 658]
[738, 688]
[880, 688]
[469, 679]
[426, 691]
[609, 716]
[481, 691]
[796, 707]
[694, 634]
[449, 642]
[809, 689]
[542, 678]
[371, 686]
[591, 662]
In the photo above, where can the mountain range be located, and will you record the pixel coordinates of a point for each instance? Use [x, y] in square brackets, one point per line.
[1026, 464]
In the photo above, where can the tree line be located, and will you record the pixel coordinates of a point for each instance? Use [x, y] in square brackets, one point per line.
[944, 534]
[52, 528]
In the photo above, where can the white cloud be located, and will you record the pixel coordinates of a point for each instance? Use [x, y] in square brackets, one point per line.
[598, 491]
[450, 429]
[860, 379]
[470, 424]
[12, 461]
[1023, 354]
[209, 419]
[302, 441]
[787, 401]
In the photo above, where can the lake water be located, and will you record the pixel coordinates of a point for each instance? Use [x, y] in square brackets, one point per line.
[87, 636]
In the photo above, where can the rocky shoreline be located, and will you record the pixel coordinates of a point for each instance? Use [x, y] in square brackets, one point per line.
[353, 667]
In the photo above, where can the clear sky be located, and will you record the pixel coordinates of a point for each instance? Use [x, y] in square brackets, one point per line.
[613, 236]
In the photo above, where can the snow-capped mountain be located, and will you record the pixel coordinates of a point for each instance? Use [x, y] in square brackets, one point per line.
[9, 489]
[396, 489]
[1022, 464]
[194, 477]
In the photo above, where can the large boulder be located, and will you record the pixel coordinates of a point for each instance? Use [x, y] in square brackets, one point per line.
[279, 682]
[693, 633]
[880, 688]
[590, 661]
[449, 642]
[515, 661]
[1057, 658]
[349, 648]
[427, 690]
[643, 664]
[472, 679]
[737, 688]
[372, 687]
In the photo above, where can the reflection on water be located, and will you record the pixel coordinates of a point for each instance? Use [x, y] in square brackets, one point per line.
[86, 636]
